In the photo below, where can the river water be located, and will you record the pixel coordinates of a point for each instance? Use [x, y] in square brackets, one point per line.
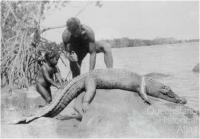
[174, 60]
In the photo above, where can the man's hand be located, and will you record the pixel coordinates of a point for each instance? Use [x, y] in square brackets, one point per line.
[73, 57]
[92, 51]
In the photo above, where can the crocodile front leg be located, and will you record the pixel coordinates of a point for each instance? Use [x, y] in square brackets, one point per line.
[90, 88]
[142, 91]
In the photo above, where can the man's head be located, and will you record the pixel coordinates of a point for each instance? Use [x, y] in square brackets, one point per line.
[74, 26]
[52, 57]
[159, 90]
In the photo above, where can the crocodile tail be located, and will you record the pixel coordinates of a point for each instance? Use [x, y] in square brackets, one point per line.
[25, 120]
[65, 96]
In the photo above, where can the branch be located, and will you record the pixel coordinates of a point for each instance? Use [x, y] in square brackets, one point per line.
[11, 9]
[81, 10]
[49, 28]
[5, 18]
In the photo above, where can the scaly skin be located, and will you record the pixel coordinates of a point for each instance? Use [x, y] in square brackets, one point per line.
[106, 79]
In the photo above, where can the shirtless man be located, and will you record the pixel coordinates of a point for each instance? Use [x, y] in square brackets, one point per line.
[45, 78]
[78, 40]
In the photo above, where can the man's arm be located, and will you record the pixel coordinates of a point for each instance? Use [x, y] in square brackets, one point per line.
[71, 56]
[65, 38]
[67, 50]
[92, 48]
[92, 51]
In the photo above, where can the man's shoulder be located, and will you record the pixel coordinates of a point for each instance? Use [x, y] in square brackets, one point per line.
[66, 35]
[88, 29]
[89, 32]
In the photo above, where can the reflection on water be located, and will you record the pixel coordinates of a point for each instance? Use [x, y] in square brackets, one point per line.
[176, 60]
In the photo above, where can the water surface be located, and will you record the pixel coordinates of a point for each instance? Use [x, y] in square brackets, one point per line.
[176, 60]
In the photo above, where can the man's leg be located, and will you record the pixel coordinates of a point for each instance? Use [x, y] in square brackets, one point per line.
[44, 92]
[108, 58]
[75, 69]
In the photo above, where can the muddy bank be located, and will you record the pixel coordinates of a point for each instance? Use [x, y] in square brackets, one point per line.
[113, 113]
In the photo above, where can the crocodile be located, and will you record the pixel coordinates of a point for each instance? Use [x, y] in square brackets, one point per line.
[106, 79]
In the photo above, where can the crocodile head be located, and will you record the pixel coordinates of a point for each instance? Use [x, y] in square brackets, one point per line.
[159, 90]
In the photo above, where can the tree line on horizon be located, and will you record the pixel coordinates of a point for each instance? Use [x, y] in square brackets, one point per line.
[127, 42]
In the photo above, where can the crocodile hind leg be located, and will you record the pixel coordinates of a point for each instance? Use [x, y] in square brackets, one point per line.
[90, 91]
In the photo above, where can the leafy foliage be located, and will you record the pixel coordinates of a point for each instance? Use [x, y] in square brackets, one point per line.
[20, 32]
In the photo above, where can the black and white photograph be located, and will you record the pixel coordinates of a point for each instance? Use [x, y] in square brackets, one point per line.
[100, 69]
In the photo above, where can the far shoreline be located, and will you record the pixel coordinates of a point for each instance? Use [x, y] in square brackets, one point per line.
[126, 42]
[157, 45]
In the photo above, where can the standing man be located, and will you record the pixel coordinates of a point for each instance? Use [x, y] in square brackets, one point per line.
[78, 40]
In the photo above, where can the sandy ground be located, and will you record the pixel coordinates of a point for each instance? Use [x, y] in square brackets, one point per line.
[113, 113]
